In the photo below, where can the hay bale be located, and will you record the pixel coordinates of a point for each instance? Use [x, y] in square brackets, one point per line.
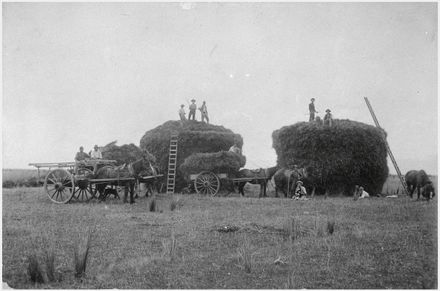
[337, 158]
[219, 162]
[126, 153]
[193, 137]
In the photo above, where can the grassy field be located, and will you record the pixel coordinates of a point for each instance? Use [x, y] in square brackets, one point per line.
[224, 242]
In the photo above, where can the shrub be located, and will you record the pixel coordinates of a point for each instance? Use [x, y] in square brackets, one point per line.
[337, 158]
[193, 137]
[8, 184]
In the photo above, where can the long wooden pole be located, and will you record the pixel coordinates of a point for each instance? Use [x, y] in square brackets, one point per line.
[402, 180]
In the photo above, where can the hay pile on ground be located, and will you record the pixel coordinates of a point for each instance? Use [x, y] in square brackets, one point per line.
[219, 162]
[193, 137]
[126, 153]
[337, 158]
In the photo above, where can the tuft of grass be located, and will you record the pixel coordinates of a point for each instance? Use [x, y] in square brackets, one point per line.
[290, 284]
[246, 255]
[330, 226]
[34, 269]
[173, 205]
[176, 203]
[169, 248]
[81, 253]
[49, 259]
[153, 205]
[291, 229]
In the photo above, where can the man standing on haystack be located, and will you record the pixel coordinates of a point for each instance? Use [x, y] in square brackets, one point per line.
[192, 110]
[204, 110]
[328, 119]
[182, 113]
[312, 110]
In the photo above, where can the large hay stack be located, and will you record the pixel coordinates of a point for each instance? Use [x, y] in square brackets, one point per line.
[193, 137]
[337, 158]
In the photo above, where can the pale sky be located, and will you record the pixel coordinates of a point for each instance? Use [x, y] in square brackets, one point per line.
[90, 73]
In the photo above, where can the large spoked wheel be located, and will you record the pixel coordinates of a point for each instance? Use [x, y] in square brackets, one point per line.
[59, 186]
[207, 183]
[84, 190]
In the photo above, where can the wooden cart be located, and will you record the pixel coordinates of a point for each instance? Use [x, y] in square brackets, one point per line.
[73, 180]
[209, 183]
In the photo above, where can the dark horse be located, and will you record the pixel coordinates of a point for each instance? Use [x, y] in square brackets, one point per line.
[420, 180]
[286, 179]
[124, 176]
[260, 176]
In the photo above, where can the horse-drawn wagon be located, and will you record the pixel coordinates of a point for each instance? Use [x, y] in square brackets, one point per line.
[209, 182]
[82, 180]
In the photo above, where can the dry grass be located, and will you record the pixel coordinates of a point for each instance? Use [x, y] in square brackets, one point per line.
[246, 255]
[81, 252]
[370, 247]
[34, 269]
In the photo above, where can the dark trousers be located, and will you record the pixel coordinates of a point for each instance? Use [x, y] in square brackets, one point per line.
[193, 114]
[312, 116]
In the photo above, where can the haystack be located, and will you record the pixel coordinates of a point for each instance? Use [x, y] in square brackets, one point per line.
[219, 162]
[126, 153]
[337, 158]
[193, 137]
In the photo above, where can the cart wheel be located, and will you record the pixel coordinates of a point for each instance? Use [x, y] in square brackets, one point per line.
[84, 190]
[207, 183]
[59, 186]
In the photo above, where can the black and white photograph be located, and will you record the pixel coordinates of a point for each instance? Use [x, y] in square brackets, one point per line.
[219, 145]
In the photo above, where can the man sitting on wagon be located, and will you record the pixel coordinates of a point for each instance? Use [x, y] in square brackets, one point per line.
[96, 153]
[80, 158]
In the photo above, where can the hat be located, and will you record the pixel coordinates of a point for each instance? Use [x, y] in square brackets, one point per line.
[299, 182]
[313, 99]
[328, 110]
[81, 147]
[193, 100]
[95, 146]
[183, 105]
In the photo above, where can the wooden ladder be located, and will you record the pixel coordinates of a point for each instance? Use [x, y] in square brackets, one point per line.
[399, 174]
[172, 163]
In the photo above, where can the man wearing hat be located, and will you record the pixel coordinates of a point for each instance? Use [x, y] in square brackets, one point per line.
[182, 113]
[328, 120]
[81, 155]
[192, 110]
[312, 110]
[300, 190]
[80, 158]
[204, 110]
[96, 153]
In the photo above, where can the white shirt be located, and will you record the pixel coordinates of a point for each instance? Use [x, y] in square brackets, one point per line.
[96, 154]
[364, 194]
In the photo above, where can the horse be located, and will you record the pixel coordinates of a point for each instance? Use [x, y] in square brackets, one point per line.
[151, 183]
[262, 176]
[286, 179]
[131, 171]
[420, 180]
